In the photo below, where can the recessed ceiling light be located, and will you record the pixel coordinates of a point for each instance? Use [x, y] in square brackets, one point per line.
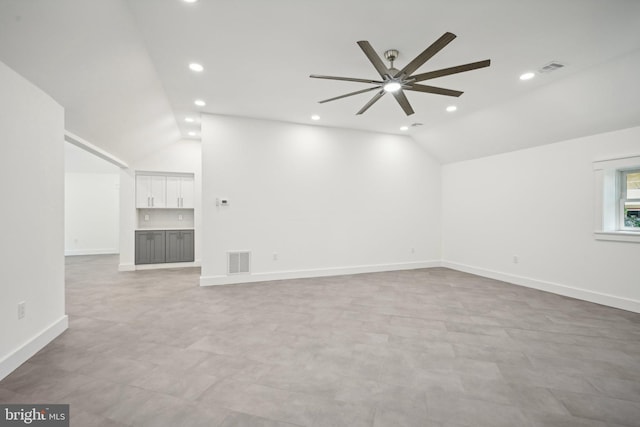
[527, 76]
[404, 127]
[189, 1]
[451, 108]
[194, 66]
[315, 117]
[192, 134]
[392, 86]
[199, 102]
[189, 119]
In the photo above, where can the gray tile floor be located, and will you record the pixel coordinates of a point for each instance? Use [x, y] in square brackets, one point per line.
[429, 347]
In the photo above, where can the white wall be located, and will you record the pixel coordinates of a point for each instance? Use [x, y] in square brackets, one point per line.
[32, 244]
[327, 201]
[181, 156]
[91, 203]
[92, 213]
[538, 204]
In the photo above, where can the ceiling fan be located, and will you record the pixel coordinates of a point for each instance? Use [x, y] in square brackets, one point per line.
[396, 81]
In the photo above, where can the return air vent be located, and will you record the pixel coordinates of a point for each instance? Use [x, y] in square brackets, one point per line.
[551, 66]
[238, 262]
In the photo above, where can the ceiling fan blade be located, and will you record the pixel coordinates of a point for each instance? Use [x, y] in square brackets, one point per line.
[369, 89]
[371, 102]
[346, 79]
[433, 89]
[426, 54]
[404, 102]
[451, 70]
[374, 58]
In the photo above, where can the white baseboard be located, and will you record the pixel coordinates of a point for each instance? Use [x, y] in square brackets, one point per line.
[133, 267]
[320, 272]
[23, 353]
[76, 252]
[167, 265]
[126, 267]
[556, 288]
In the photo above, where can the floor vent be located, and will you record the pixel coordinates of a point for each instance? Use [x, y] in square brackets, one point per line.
[238, 262]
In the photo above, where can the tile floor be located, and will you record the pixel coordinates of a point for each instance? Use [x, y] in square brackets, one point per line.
[429, 347]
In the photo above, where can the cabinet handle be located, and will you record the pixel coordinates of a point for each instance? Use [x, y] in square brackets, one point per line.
[148, 201]
[181, 202]
[152, 201]
[178, 201]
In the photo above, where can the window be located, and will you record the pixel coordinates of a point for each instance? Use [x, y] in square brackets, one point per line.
[630, 200]
[617, 199]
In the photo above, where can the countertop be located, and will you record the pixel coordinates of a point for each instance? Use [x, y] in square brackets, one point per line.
[164, 229]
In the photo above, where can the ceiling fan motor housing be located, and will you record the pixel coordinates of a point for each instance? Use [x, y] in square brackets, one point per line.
[391, 55]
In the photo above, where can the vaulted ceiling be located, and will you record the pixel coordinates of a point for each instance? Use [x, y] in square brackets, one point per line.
[120, 67]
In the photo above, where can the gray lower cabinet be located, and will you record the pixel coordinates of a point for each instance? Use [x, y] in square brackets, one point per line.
[179, 246]
[162, 246]
[150, 247]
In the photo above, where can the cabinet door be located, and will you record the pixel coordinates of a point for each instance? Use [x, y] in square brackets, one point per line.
[151, 191]
[179, 246]
[188, 254]
[187, 197]
[143, 191]
[174, 193]
[158, 191]
[150, 247]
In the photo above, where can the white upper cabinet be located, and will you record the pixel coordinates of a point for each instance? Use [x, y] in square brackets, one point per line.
[188, 197]
[180, 192]
[151, 191]
[165, 191]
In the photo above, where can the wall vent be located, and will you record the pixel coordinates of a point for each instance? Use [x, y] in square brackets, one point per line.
[551, 66]
[238, 262]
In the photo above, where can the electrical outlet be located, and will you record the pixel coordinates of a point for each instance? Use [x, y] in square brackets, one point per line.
[179, 217]
[275, 256]
[22, 309]
[516, 259]
[146, 217]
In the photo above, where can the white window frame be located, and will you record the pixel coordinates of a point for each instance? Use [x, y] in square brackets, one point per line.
[609, 206]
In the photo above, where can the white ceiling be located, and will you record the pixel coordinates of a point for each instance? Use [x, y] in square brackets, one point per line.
[120, 67]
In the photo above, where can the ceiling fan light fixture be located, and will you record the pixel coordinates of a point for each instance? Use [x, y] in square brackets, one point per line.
[392, 86]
